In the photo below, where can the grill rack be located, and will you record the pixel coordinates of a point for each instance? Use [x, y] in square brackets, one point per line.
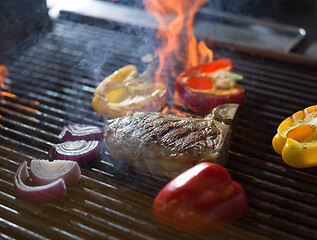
[51, 84]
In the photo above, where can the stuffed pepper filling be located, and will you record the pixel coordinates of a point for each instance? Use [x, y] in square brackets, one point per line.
[209, 85]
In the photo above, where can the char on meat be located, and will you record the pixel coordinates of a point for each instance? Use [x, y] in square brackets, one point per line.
[165, 144]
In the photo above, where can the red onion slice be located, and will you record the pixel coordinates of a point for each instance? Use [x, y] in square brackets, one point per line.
[44, 171]
[80, 132]
[81, 151]
[45, 193]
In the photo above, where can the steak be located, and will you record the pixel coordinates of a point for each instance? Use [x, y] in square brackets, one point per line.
[166, 144]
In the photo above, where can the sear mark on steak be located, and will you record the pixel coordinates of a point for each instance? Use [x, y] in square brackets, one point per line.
[167, 145]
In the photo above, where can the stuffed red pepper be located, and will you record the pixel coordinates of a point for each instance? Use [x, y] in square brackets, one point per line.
[208, 85]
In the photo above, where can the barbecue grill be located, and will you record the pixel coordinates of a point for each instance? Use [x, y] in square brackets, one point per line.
[50, 85]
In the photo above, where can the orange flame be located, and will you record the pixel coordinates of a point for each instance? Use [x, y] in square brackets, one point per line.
[5, 92]
[4, 72]
[175, 19]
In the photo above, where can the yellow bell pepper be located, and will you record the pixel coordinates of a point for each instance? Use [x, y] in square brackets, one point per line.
[123, 91]
[296, 138]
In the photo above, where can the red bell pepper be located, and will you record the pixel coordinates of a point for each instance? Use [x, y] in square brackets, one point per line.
[208, 85]
[203, 198]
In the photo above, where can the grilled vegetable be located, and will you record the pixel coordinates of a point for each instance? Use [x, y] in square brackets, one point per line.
[296, 138]
[74, 132]
[44, 171]
[45, 193]
[203, 198]
[124, 91]
[166, 144]
[80, 151]
[208, 85]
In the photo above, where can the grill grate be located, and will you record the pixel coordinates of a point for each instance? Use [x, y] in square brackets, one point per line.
[51, 85]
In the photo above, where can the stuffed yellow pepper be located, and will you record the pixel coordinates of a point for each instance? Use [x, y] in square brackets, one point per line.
[124, 91]
[296, 138]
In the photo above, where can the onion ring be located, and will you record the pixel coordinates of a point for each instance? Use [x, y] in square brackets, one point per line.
[74, 132]
[81, 151]
[44, 171]
[49, 192]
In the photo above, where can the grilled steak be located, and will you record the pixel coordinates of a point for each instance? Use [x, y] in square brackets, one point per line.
[168, 144]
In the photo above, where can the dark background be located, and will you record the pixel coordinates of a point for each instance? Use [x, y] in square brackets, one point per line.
[298, 13]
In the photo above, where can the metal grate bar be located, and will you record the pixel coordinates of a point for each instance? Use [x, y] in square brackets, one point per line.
[51, 85]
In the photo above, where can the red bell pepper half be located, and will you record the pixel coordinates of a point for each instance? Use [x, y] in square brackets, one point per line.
[203, 198]
[210, 84]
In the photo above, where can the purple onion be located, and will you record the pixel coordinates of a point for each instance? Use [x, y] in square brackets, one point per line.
[44, 171]
[45, 193]
[80, 132]
[81, 151]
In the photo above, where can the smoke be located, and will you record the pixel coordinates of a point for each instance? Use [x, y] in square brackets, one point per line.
[21, 24]
[249, 8]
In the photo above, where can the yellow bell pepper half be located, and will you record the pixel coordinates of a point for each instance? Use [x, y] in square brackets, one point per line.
[123, 91]
[296, 138]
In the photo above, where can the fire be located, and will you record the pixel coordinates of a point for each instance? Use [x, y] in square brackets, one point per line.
[4, 72]
[5, 92]
[175, 19]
